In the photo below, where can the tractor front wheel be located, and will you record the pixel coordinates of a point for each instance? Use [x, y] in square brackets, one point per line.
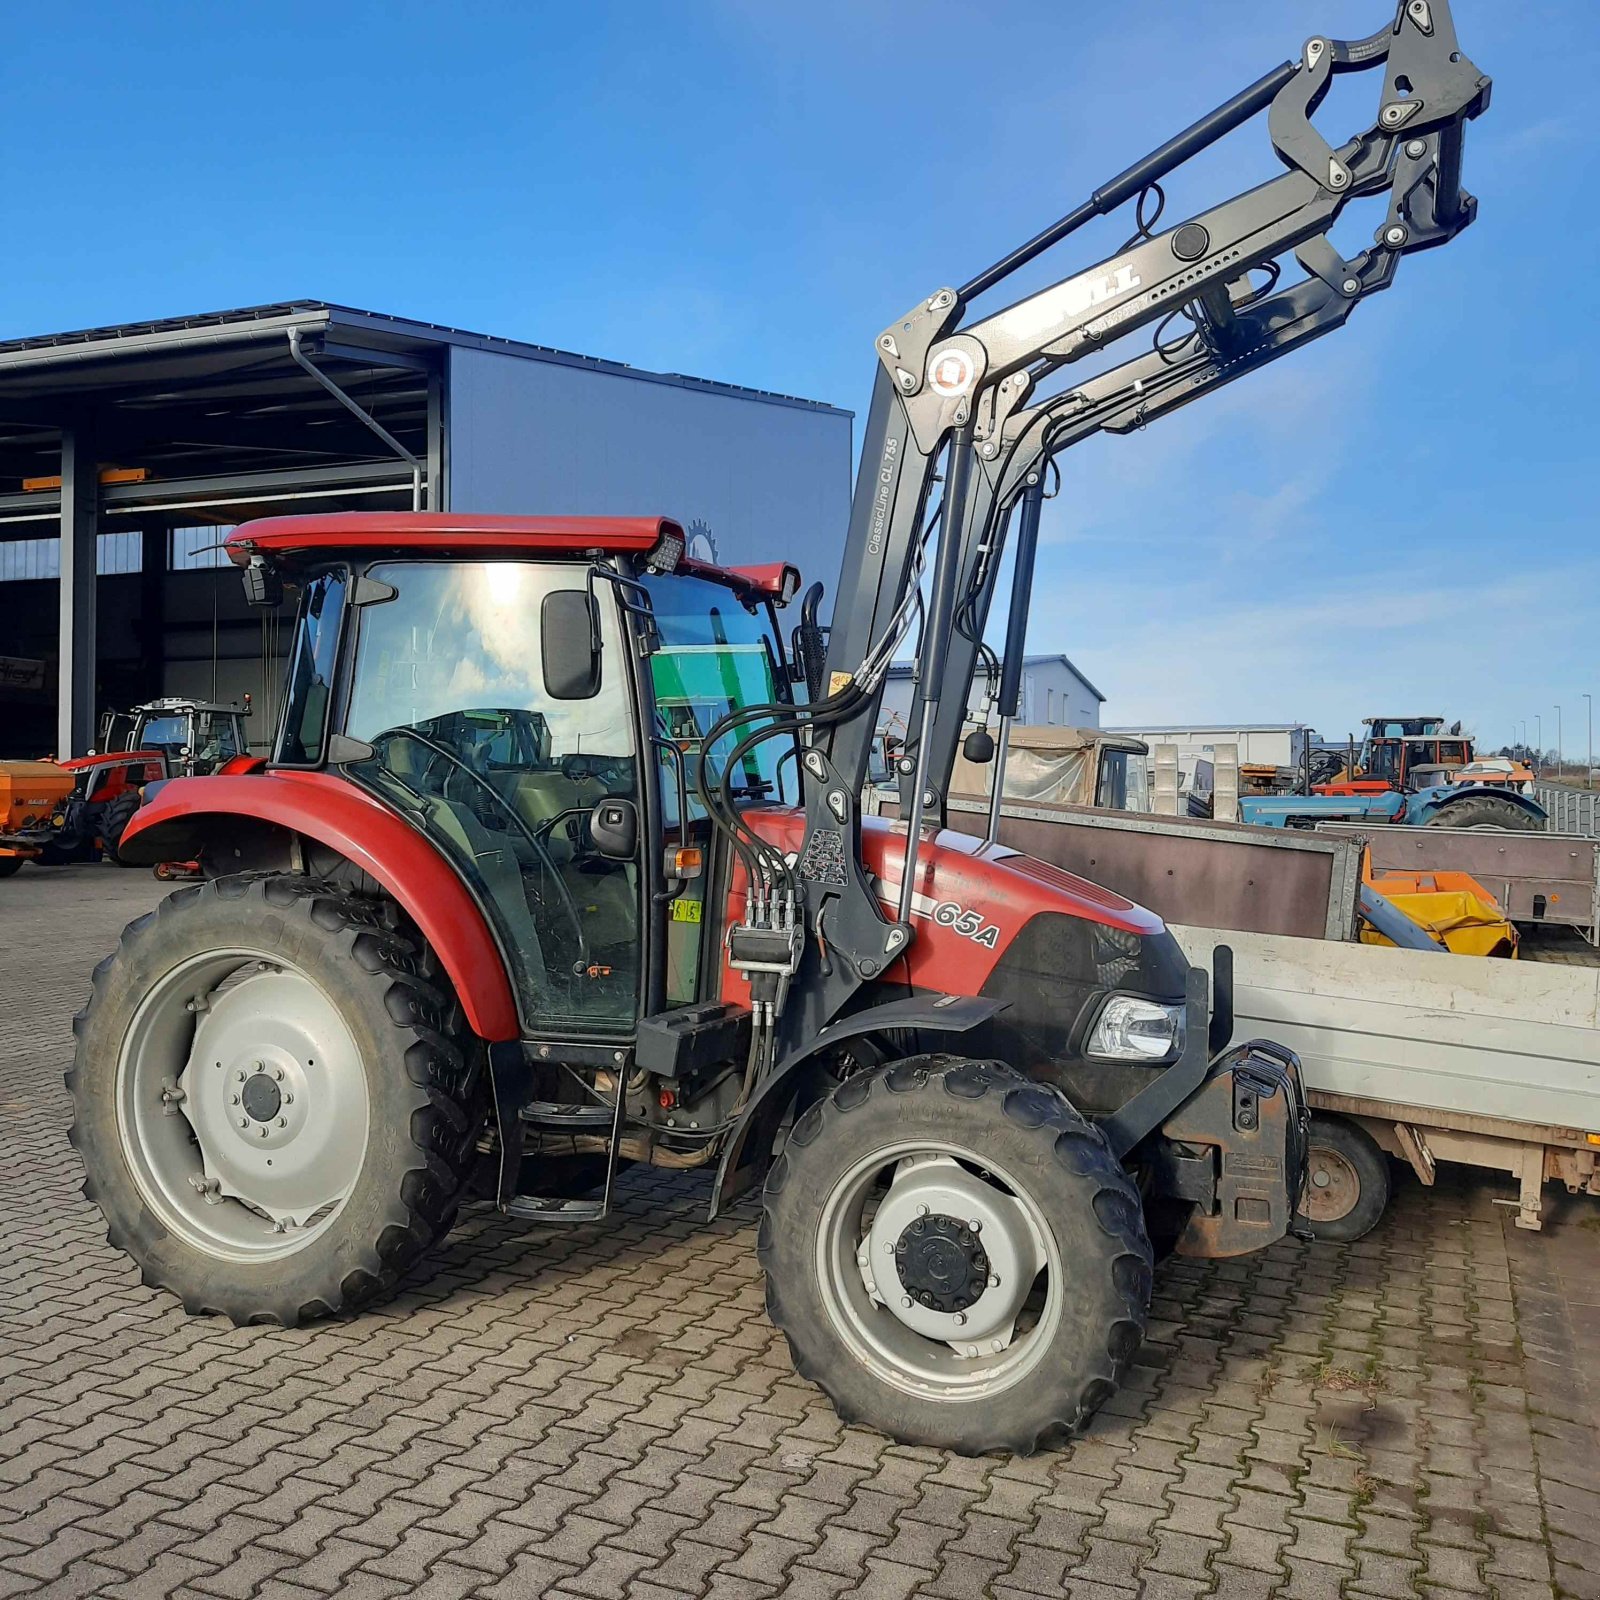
[114, 819]
[955, 1256]
[10, 864]
[275, 1101]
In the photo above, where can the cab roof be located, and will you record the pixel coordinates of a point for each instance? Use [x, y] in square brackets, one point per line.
[447, 532]
[462, 533]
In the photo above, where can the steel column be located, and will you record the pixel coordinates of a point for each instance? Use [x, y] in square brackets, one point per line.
[155, 542]
[80, 526]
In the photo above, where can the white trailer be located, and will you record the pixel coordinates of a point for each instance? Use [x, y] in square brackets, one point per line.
[1425, 1056]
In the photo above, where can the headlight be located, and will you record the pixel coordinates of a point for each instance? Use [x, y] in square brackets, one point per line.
[1137, 1030]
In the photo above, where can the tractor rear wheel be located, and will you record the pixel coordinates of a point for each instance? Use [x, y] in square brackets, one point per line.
[1486, 811]
[275, 1101]
[10, 864]
[955, 1256]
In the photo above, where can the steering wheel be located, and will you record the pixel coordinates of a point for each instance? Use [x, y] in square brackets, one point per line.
[568, 904]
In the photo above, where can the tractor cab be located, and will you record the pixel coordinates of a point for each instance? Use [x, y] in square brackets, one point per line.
[1403, 753]
[192, 736]
[537, 708]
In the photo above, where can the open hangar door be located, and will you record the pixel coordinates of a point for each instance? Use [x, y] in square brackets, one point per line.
[127, 453]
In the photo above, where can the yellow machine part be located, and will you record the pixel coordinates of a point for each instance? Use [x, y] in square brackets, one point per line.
[1453, 906]
[30, 791]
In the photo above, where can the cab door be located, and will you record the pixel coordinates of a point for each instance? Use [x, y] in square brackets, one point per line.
[457, 718]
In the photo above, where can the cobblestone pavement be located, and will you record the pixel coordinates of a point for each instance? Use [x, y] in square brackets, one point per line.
[606, 1411]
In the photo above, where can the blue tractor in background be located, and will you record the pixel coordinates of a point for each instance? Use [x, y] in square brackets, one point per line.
[1405, 773]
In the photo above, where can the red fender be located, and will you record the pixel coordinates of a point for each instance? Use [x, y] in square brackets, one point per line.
[180, 816]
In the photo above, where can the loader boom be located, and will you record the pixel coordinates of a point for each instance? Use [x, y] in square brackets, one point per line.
[964, 400]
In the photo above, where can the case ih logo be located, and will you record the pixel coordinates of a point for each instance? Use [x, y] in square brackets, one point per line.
[950, 373]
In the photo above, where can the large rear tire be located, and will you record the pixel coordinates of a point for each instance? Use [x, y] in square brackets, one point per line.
[275, 1101]
[955, 1256]
[1485, 811]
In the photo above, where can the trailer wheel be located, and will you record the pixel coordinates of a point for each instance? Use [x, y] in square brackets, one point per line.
[275, 1101]
[1347, 1181]
[955, 1256]
[1489, 812]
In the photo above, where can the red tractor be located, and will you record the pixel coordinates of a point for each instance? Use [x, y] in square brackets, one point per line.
[88, 800]
[551, 871]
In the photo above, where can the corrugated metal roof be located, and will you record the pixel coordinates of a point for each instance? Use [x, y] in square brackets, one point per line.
[206, 327]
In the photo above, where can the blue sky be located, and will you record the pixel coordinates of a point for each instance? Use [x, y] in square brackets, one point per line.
[751, 191]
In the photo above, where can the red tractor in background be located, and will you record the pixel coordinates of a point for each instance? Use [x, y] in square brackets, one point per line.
[552, 869]
[55, 812]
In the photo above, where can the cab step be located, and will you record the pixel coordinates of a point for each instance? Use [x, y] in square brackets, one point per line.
[534, 1208]
[559, 1117]
[510, 1074]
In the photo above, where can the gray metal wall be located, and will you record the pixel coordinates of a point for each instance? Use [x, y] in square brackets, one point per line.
[768, 480]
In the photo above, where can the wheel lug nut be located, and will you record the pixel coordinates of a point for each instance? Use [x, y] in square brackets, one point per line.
[906, 1303]
[975, 1225]
[994, 1280]
[961, 1319]
[278, 1074]
[922, 1211]
[236, 1099]
[283, 1122]
[241, 1076]
[244, 1122]
[288, 1099]
[263, 1133]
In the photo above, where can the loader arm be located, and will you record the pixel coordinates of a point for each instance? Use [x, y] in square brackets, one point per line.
[949, 404]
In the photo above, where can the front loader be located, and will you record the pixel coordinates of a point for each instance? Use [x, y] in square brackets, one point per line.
[550, 871]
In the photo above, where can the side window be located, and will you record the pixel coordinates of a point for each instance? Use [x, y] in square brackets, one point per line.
[449, 690]
[311, 665]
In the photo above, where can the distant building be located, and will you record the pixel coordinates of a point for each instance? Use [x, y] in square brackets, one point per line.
[1272, 744]
[1054, 694]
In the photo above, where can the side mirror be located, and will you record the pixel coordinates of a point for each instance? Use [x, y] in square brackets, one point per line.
[614, 828]
[569, 643]
[978, 746]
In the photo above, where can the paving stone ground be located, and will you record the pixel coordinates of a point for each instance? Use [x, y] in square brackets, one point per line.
[606, 1411]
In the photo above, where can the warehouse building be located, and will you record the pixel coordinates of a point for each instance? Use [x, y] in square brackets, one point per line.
[126, 453]
[1055, 694]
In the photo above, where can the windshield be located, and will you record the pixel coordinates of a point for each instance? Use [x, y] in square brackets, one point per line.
[715, 655]
[165, 733]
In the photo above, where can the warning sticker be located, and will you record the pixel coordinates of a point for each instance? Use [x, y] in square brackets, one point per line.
[685, 910]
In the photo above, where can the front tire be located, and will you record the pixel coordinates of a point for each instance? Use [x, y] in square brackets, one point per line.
[1007, 1336]
[275, 1102]
[114, 819]
[10, 864]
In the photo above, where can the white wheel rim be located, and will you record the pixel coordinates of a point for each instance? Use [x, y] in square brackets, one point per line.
[991, 1344]
[242, 1105]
